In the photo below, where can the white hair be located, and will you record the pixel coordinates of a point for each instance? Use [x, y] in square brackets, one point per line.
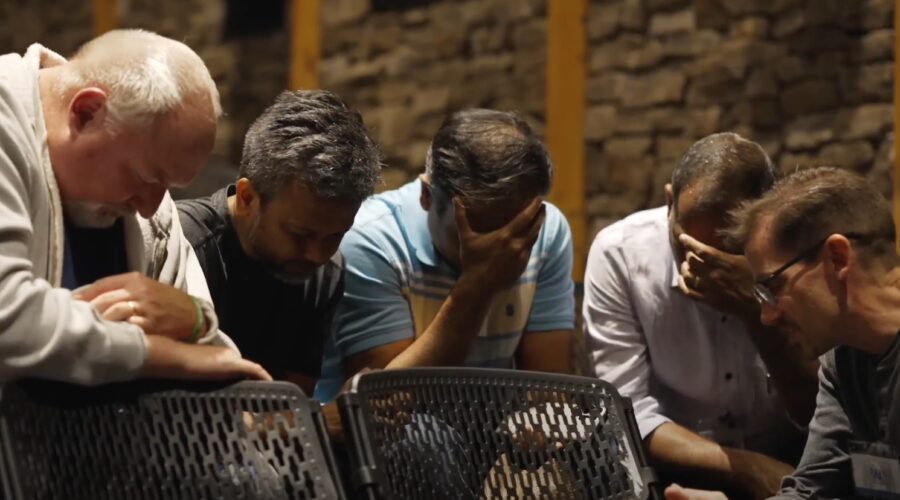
[145, 75]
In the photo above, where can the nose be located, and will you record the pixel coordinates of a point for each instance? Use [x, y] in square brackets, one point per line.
[769, 314]
[148, 200]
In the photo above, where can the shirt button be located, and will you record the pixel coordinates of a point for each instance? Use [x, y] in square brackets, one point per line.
[728, 376]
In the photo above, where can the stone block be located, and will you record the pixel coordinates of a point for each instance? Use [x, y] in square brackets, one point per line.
[606, 87]
[761, 83]
[530, 35]
[713, 89]
[490, 39]
[666, 5]
[809, 96]
[668, 23]
[671, 149]
[789, 24]
[691, 44]
[790, 68]
[341, 12]
[627, 148]
[660, 87]
[872, 82]
[869, 121]
[855, 155]
[750, 27]
[603, 20]
[633, 16]
[875, 46]
[811, 131]
[599, 122]
[710, 14]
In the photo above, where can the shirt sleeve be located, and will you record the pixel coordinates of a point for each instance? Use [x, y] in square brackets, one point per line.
[182, 270]
[554, 299]
[43, 331]
[824, 470]
[374, 310]
[614, 338]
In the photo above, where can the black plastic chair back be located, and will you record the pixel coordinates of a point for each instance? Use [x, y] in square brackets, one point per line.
[458, 433]
[249, 440]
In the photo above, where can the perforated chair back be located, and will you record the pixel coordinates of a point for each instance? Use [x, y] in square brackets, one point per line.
[249, 440]
[460, 433]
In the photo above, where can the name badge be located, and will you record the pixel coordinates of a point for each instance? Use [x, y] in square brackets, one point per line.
[876, 469]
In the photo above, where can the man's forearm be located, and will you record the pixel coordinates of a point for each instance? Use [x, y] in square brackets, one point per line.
[685, 455]
[447, 339]
[697, 461]
[794, 376]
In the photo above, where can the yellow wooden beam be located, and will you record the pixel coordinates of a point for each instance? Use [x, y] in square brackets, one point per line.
[896, 193]
[566, 77]
[305, 44]
[105, 16]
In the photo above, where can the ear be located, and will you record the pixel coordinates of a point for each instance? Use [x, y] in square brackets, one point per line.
[425, 197]
[670, 197]
[840, 255]
[246, 199]
[87, 110]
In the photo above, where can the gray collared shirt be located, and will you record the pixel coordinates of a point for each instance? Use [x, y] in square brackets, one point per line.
[859, 399]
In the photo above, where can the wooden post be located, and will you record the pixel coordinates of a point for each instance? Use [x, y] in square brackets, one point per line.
[896, 193]
[566, 77]
[305, 44]
[105, 16]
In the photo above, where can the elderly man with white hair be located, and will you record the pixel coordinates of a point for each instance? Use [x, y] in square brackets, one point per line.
[97, 282]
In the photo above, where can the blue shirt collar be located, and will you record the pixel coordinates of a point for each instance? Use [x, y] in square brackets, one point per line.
[414, 221]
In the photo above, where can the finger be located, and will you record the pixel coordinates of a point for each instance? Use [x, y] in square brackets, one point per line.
[462, 218]
[522, 221]
[108, 299]
[693, 245]
[120, 311]
[690, 292]
[534, 232]
[90, 292]
[696, 264]
[254, 371]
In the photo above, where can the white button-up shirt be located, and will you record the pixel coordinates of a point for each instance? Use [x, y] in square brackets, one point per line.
[677, 359]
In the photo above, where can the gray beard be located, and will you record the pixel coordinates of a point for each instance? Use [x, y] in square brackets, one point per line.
[91, 215]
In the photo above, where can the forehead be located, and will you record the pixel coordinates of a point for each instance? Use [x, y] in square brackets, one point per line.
[298, 207]
[760, 251]
[486, 217]
[179, 143]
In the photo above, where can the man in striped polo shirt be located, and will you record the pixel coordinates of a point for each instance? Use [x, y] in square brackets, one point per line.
[465, 266]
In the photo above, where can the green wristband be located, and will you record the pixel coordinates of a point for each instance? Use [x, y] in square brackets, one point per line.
[198, 321]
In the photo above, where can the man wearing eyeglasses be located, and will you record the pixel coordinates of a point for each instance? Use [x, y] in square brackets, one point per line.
[671, 321]
[821, 246]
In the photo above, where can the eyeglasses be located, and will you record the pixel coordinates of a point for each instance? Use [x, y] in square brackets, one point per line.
[761, 290]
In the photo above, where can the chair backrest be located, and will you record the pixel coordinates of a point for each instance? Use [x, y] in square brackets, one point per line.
[477, 433]
[141, 441]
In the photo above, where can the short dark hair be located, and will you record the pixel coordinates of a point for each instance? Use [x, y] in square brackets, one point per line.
[812, 204]
[484, 156]
[727, 168]
[313, 137]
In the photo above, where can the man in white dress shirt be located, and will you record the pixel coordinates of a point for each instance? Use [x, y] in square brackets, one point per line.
[671, 321]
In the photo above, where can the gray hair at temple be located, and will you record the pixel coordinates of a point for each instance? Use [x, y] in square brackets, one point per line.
[812, 204]
[726, 168]
[313, 137]
[485, 156]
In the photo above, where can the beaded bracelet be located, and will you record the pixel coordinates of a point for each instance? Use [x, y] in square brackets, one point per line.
[198, 321]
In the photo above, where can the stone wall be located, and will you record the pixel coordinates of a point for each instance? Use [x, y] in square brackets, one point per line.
[405, 69]
[811, 80]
